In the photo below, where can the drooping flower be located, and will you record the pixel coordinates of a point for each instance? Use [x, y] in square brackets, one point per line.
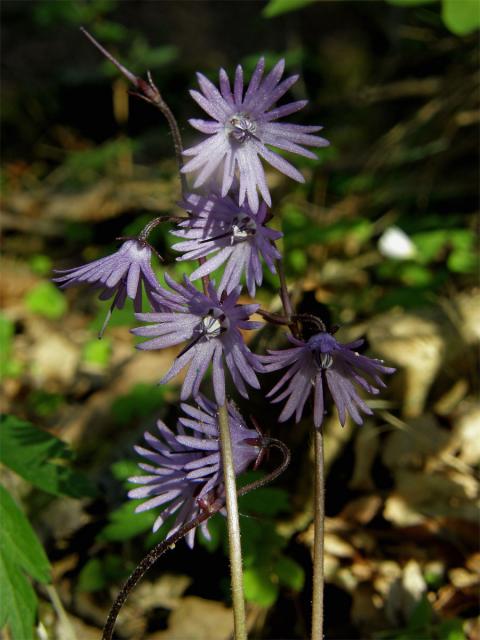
[243, 125]
[323, 359]
[236, 236]
[212, 329]
[185, 471]
[120, 274]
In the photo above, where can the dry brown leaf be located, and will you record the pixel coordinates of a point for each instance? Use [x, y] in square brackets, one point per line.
[197, 619]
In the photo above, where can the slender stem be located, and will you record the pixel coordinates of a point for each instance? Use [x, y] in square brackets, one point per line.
[284, 295]
[318, 540]
[149, 92]
[233, 525]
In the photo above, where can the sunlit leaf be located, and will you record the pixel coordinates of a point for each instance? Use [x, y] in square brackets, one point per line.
[277, 7]
[461, 16]
[97, 352]
[34, 455]
[20, 553]
[46, 300]
[259, 587]
[290, 573]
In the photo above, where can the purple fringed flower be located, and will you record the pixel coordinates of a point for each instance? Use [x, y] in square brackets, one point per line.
[310, 363]
[238, 237]
[120, 274]
[212, 329]
[185, 471]
[242, 126]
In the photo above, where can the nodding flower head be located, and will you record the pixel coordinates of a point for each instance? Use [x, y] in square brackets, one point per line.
[231, 235]
[184, 470]
[244, 127]
[323, 359]
[119, 275]
[211, 327]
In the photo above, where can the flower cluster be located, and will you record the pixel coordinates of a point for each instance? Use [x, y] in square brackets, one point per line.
[226, 227]
[184, 468]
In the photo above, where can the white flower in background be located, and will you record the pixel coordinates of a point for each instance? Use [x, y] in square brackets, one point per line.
[394, 243]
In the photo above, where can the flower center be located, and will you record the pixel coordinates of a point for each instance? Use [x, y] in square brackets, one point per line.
[242, 228]
[241, 127]
[322, 360]
[213, 324]
[321, 345]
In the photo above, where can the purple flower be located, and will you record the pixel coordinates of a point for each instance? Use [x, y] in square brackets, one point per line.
[184, 471]
[234, 233]
[242, 126]
[120, 274]
[323, 358]
[212, 328]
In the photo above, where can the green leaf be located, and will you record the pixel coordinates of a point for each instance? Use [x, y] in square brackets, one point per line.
[19, 542]
[268, 501]
[421, 615]
[97, 352]
[41, 265]
[259, 587]
[277, 7]
[451, 630]
[20, 552]
[8, 367]
[99, 573]
[143, 400]
[125, 523]
[46, 300]
[124, 469]
[216, 528]
[18, 603]
[410, 3]
[30, 452]
[290, 573]
[461, 16]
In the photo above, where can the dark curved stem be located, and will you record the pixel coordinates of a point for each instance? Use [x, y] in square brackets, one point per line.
[314, 320]
[159, 549]
[148, 228]
[148, 91]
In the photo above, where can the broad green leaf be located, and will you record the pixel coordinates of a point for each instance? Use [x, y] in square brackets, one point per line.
[290, 573]
[30, 452]
[259, 587]
[461, 16]
[19, 542]
[46, 300]
[277, 7]
[18, 604]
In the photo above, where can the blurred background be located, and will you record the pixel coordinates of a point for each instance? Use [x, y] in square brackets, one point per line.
[380, 240]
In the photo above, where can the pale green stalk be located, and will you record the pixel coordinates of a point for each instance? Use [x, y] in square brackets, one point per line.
[233, 525]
